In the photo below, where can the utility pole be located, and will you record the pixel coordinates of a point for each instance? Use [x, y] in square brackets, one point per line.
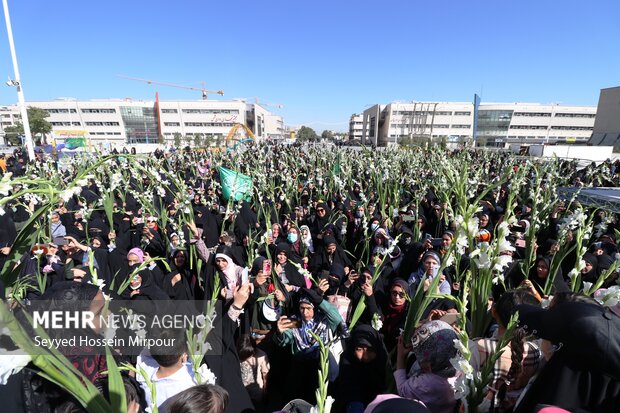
[17, 84]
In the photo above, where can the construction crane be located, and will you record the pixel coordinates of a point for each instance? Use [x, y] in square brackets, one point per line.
[205, 92]
[273, 105]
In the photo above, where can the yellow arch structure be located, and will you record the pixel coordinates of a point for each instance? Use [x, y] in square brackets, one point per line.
[232, 138]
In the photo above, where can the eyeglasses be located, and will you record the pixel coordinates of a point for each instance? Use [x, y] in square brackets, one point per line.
[398, 294]
[320, 210]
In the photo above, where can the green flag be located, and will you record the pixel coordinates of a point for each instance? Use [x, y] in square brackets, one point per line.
[235, 185]
[74, 143]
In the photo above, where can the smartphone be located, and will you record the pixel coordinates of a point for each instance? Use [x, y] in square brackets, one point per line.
[139, 220]
[436, 242]
[408, 218]
[450, 318]
[267, 267]
[324, 275]
[520, 243]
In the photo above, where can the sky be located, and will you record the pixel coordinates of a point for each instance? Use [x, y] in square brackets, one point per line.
[322, 60]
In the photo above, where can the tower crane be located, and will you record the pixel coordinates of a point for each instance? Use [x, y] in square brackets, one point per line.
[205, 92]
[273, 105]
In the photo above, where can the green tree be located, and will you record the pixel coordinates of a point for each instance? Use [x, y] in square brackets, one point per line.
[177, 139]
[161, 140]
[305, 134]
[327, 135]
[208, 141]
[39, 127]
[218, 140]
[12, 133]
[198, 140]
[188, 140]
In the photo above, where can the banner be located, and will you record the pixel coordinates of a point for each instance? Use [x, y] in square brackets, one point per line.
[74, 143]
[235, 185]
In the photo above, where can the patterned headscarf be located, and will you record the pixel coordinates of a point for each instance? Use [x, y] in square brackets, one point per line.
[433, 345]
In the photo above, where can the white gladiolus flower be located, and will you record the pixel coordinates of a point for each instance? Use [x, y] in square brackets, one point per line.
[5, 184]
[483, 260]
[498, 278]
[586, 286]
[376, 322]
[66, 194]
[207, 376]
[581, 265]
[460, 347]
[461, 390]
[573, 274]
[608, 297]
[501, 262]
[84, 180]
[505, 245]
[11, 363]
[462, 365]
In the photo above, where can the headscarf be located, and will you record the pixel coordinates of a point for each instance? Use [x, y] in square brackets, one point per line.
[138, 253]
[257, 265]
[307, 240]
[433, 345]
[230, 273]
[592, 275]
[226, 254]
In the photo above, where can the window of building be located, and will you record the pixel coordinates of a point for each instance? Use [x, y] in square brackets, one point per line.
[65, 124]
[462, 113]
[533, 114]
[536, 127]
[61, 111]
[575, 128]
[169, 111]
[172, 124]
[98, 110]
[575, 115]
[443, 113]
[461, 126]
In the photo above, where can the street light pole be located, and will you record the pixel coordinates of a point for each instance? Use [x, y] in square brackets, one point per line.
[17, 83]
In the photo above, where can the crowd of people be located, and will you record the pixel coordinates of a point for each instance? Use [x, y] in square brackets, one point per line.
[328, 248]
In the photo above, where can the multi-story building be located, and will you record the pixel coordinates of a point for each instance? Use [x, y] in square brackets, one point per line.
[497, 124]
[356, 127]
[128, 121]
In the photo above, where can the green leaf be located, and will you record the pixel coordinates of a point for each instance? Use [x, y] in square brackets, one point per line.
[116, 387]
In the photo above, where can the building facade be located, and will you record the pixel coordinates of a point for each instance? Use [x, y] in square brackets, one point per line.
[356, 127]
[496, 124]
[607, 125]
[128, 121]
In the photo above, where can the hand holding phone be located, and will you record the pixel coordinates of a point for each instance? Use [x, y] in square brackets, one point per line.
[267, 268]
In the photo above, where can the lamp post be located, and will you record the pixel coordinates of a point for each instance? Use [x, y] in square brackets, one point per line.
[17, 83]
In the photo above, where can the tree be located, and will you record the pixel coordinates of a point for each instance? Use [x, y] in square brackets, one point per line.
[12, 134]
[39, 127]
[188, 140]
[306, 134]
[208, 141]
[177, 139]
[161, 140]
[327, 135]
[198, 140]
